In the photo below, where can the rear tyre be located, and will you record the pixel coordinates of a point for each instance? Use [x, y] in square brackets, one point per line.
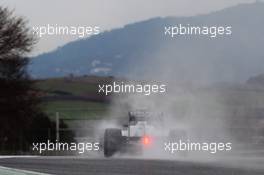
[112, 141]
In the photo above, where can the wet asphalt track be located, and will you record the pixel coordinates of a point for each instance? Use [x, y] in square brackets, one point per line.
[84, 166]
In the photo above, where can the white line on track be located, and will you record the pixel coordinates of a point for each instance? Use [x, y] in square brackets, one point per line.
[20, 172]
[6, 157]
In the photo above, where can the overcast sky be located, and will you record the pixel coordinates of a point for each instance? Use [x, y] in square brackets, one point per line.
[107, 14]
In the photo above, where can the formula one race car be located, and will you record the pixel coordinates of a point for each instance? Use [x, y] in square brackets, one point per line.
[143, 129]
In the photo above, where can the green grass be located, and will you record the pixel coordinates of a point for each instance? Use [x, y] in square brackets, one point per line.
[72, 109]
[75, 109]
[72, 87]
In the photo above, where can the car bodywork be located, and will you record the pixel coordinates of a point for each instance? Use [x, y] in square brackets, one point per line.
[144, 130]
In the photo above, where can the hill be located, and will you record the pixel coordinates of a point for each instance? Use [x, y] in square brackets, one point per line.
[256, 80]
[142, 49]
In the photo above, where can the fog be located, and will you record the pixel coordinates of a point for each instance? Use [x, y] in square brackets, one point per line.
[202, 109]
